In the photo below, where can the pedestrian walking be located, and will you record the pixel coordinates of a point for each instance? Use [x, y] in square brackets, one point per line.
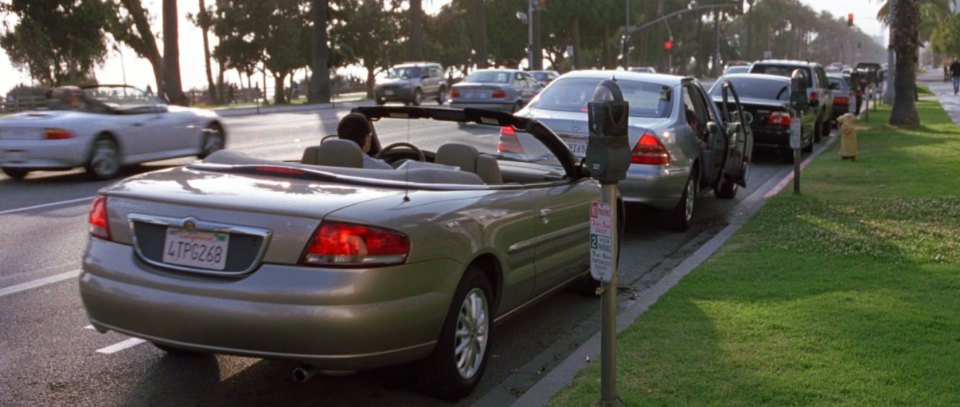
[955, 74]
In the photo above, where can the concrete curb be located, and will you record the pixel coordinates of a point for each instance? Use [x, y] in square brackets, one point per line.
[589, 352]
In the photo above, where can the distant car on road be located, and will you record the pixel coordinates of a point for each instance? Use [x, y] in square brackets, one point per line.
[766, 103]
[544, 77]
[682, 144]
[103, 128]
[736, 69]
[844, 98]
[818, 91]
[505, 90]
[646, 69]
[411, 83]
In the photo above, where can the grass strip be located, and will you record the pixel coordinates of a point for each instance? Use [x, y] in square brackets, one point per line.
[845, 295]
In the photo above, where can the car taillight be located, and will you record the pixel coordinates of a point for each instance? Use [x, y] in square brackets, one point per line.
[840, 100]
[649, 150]
[498, 94]
[509, 143]
[345, 244]
[454, 93]
[57, 134]
[99, 226]
[779, 119]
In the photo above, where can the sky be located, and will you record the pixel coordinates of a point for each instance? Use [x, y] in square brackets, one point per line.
[126, 67]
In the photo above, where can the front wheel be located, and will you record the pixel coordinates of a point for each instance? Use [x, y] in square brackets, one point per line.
[682, 214]
[15, 173]
[442, 96]
[417, 97]
[460, 356]
[213, 140]
[104, 160]
[728, 189]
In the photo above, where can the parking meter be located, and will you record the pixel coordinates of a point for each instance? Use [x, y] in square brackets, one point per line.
[608, 147]
[798, 102]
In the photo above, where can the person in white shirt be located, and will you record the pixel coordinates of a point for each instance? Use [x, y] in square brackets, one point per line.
[357, 128]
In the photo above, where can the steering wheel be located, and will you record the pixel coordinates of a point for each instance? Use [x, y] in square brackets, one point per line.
[388, 149]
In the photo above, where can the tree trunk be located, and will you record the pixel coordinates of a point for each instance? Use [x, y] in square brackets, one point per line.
[171, 55]
[416, 30]
[320, 74]
[905, 42]
[279, 96]
[575, 37]
[150, 51]
[204, 20]
[480, 34]
[371, 80]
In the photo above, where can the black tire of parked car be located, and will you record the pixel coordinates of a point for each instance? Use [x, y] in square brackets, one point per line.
[442, 96]
[417, 97]
[381, 100]
[15, 173]
[104, 162]
[438, 374]
[818, 125]
[682, 215]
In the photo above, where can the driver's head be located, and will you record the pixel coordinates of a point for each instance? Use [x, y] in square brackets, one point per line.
[356, 127]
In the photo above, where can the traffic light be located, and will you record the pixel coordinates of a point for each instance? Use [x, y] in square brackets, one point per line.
[850, 20]
[668, 45]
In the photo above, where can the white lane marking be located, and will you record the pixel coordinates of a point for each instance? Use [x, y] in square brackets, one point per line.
[30, 208]
[117, 347]
[38, 282]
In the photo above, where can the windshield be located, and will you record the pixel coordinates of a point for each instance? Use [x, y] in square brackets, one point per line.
[411, 72]
[119, 96]
[489, 77]
[757, 88]
[573, 94]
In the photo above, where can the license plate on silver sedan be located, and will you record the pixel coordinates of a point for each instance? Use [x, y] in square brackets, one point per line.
[191, 248]
[578, 147]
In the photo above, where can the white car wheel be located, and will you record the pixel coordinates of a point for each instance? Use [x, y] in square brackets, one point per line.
[104, 160]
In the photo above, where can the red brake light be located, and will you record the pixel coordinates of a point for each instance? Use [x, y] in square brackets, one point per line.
[57, 134]
[344, 244]
[779, 119]
[509, 143]
[649, 150]
[454, 93]
[814, 97]
[498, 94]
[269, 169]
[99, 226]
[840, 100]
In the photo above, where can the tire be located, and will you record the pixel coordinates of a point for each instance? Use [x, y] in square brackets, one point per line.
[213, 140]
[15, 173]
[727, 190]
[417, 97]
[460, 356]
[682, 214]
[817, 131]
[442, 96]
[825, 129]
[381, 100]
[104, 162]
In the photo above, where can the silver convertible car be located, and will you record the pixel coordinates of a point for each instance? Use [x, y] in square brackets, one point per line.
[682, 144]
[341, 267]
[103, 128]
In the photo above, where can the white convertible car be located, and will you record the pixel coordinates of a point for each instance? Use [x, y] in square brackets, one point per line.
[103, 128]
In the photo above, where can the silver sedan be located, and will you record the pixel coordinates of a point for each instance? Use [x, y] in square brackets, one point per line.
[505, 90]
[682, 144]
[103, 128]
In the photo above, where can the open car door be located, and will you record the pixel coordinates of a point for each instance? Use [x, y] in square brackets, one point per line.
[739, 137]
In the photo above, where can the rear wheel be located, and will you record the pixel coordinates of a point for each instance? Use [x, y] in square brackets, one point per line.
[15, 173]
[381, 100]
[817, 131]
[728, 189]
[442, 96]
[460, 356]
[104, 160]
[682, 214]
[417, 97]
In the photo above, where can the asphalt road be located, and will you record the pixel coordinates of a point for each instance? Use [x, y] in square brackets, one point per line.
[50, 356]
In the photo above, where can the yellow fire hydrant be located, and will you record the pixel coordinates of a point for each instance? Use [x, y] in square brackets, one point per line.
[848, 136]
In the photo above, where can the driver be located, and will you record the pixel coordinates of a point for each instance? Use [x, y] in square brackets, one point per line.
[356, 127]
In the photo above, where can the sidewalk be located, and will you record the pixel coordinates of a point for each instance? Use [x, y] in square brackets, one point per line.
[348, 100]
[563, 375]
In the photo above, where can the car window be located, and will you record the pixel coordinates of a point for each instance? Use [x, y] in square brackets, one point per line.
[784, 70]
[573, 94]
[693, 100]
[758, 88]
[489, 77]
[411, 72]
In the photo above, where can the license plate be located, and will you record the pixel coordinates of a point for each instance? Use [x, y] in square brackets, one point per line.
[579, 148]
[206, 250]
[477, 94]
[388, 92]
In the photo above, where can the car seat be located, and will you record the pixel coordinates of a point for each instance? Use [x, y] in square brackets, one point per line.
[335, 153]
[470, 160]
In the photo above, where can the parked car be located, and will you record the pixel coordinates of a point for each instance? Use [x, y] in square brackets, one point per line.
[844, 98]
[544, 77]
[103, 128]
[341, 267]
[673, 159]
[818, 93]
[736, 69]
[646, 69]
[505, 90]
[765, 99]
[411, 83]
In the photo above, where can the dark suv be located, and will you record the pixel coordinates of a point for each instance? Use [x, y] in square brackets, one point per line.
[411, 83]
[818, 93]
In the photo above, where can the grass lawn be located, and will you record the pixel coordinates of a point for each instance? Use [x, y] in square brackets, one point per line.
[845, 295]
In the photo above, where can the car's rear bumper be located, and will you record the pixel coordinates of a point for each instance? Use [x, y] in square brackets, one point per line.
[330, 318]
[654, 185]
[42, 154]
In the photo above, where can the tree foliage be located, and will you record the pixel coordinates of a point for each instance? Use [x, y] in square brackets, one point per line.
[57, 41]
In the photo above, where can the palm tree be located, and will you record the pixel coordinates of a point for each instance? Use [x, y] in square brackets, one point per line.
[416, 30]
[171, 55]
[203, 18]
[320, 79]
[905, 42]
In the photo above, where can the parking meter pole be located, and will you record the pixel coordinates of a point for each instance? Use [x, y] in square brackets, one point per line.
[796, 171]
[608, 328]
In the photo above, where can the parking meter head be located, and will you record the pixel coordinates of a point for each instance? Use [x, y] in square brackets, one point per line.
[798, 90]
[608, 149]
